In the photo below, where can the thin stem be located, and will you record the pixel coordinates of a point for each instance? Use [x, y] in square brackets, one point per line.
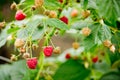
[52, 43]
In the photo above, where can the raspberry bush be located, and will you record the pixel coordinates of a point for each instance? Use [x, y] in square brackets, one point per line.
[94, 54]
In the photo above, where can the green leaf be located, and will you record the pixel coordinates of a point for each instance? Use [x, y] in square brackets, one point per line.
[85, 4]
[57, 23]
[110, 10]
[11, 30]
[116, 41]
[32, 28]
[82, 23]
[71, 70]
[106, 33]
[111, 76]
[51, 4]
[3, 36]
[100, 32]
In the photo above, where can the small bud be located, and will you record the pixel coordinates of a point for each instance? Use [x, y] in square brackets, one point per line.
[86, 64]
[57, 50]
[13, 6]
[84, 58]
[39, 3]
[19, 43]
[75, 45]
[26, 55]
[74, 13]
[52, 14]
[86, 31]
[47, 12]
[33, 8]
[86, 13]
[10, 37]
[107, 43]
[13, 58]
[34, 46]
[22, 50]
[2, 24]
[112, 48]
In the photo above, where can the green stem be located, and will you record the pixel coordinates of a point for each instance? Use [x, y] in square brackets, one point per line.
[41, 64]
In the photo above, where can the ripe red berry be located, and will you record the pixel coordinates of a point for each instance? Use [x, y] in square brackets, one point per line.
[64, 19]
[68, 56]
[61, 1]
[48, 51]
[95, 59]
[32, 63]
[20, 15]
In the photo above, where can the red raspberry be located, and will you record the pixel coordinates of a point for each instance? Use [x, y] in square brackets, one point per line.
[61, 1]
[68, 56]
[64, 19]
[48, 51]
[32, 63]
[20, 15]
[95, 59]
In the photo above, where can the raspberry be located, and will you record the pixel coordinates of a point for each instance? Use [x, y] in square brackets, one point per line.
[13, 6]
[64, 19]
[57, 50]
[85, 13]
[68, 56]
[32, 63]
[112, 48]
[19, 43]
[95, 59]
[26, 55]
[20, 15]
[61, 1]
[107, 43]
[75, 45]
[86, 31]
[52, 14]
[48, 51]
[39, 3]
[74, 13]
